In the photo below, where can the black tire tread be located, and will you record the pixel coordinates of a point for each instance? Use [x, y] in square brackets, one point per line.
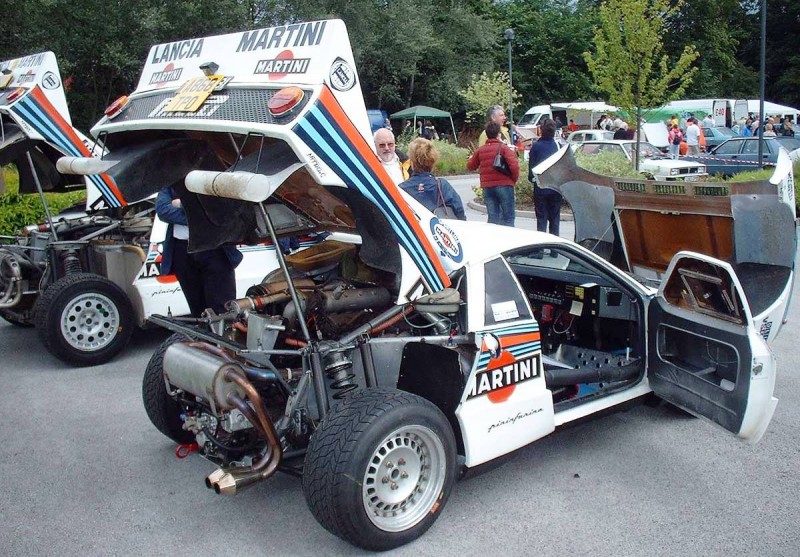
[43, 321]
[331, 448]
[162, 410]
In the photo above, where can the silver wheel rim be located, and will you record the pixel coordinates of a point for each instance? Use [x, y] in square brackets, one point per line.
[89, 322]
[404, 478]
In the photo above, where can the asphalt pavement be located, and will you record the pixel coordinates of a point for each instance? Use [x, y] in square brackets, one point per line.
[87, 474]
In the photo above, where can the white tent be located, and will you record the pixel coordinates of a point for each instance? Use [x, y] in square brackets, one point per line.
[772, 109]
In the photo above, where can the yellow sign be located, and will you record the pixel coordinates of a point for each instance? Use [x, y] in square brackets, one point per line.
[5, 80]
[192, 94]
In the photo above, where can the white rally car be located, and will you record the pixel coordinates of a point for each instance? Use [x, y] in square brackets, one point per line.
[85, 277]
[381, 363]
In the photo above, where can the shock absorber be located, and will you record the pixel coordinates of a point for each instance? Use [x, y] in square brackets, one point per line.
[339, 369]
[72, 264]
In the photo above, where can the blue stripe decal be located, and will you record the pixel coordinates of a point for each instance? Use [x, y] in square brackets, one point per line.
[28, 109]
[317, 131]
[376, 193]
[340, 155]
[518, 350]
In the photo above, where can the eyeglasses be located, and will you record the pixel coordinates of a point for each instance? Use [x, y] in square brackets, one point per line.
[385, 145]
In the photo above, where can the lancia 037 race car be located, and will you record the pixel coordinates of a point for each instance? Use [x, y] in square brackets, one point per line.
[85, 277]
[404, 349]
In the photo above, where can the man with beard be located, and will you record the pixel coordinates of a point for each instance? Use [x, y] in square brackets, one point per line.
[396, 164]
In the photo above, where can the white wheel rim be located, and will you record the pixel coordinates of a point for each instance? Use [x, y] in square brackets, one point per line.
[89, 322]
[404, 478]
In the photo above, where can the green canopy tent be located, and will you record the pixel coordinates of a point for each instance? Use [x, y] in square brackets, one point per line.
[424, 112]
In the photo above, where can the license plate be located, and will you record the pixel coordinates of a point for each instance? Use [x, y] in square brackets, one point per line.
[692, 178]
[192, 94]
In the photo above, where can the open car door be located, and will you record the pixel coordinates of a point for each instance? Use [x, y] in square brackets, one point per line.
[704, 353]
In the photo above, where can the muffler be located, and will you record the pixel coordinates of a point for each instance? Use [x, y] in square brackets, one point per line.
[200, 373]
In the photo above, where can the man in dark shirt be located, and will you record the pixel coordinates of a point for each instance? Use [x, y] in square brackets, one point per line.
[207, 278]
[546, 202]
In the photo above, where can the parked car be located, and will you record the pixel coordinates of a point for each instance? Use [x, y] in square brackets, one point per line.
[85, 278]
[653, 161]
[379, 365]
[716, 136]
[578, 137]
[737, 155]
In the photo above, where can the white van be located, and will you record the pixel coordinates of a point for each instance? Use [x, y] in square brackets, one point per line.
[584, 114]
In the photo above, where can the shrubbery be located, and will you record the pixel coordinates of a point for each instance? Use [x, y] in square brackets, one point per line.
[17, 210]
[453, 161]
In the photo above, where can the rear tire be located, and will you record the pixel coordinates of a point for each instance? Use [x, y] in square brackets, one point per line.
[84, 319]
[164, 412]
[380, 468]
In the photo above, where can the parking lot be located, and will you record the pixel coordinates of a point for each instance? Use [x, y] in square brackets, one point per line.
[87, 474]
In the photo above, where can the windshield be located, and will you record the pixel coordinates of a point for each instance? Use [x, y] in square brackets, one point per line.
[646, 149]
[530, 119]
[790, 143]
[726, 132]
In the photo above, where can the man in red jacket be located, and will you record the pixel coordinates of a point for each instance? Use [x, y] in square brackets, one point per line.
[498, 188]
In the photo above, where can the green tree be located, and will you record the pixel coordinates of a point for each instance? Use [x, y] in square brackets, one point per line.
[717, 29]
[484, 91]
[547, 52]
[629, 63]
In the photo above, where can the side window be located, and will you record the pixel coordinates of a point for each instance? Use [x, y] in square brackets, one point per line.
[751, 148]
[729, 148]
[708, 133]
[504, 300]
[705, 288]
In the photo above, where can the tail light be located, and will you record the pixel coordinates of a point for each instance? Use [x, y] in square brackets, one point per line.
[115, 108]
[284, 101]
[15, 94]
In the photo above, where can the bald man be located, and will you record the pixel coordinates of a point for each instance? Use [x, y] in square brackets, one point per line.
[396, 164]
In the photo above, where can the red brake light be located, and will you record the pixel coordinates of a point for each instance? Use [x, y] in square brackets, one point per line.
[284, 101]
[15, 94]
[116, 107]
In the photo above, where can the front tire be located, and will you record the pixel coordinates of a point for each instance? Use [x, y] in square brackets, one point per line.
[164, 411]
[84, 319]
[380, 468]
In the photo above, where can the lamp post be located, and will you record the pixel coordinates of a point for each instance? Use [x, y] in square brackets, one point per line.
[509, 34]
[761, 82]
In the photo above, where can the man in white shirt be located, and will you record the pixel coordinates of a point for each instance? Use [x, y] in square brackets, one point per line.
[708, 121]
[693, 136]
[395, 166]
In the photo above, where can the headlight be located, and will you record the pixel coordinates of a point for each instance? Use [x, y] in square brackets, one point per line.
[701, 170]
[673, 172]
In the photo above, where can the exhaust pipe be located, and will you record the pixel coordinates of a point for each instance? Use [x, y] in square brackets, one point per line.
[230, 481]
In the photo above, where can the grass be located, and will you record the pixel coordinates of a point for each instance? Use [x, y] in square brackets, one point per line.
[18, 210]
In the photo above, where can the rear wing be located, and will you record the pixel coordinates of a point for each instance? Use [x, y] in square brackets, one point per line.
[237, 118]
[36, 130]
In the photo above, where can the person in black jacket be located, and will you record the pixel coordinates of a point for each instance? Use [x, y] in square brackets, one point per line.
[546, 202]
[207, 278]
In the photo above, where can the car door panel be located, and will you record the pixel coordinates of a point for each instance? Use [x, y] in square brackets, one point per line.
[704, 355]
[506, 403]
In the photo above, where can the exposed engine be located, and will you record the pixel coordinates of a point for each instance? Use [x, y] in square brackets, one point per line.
[341, 301]
[43, 253]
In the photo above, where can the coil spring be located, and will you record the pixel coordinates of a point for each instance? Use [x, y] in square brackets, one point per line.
[339, 371]
[71, 262]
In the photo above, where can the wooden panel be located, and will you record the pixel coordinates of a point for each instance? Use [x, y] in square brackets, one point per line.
[653, 238]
